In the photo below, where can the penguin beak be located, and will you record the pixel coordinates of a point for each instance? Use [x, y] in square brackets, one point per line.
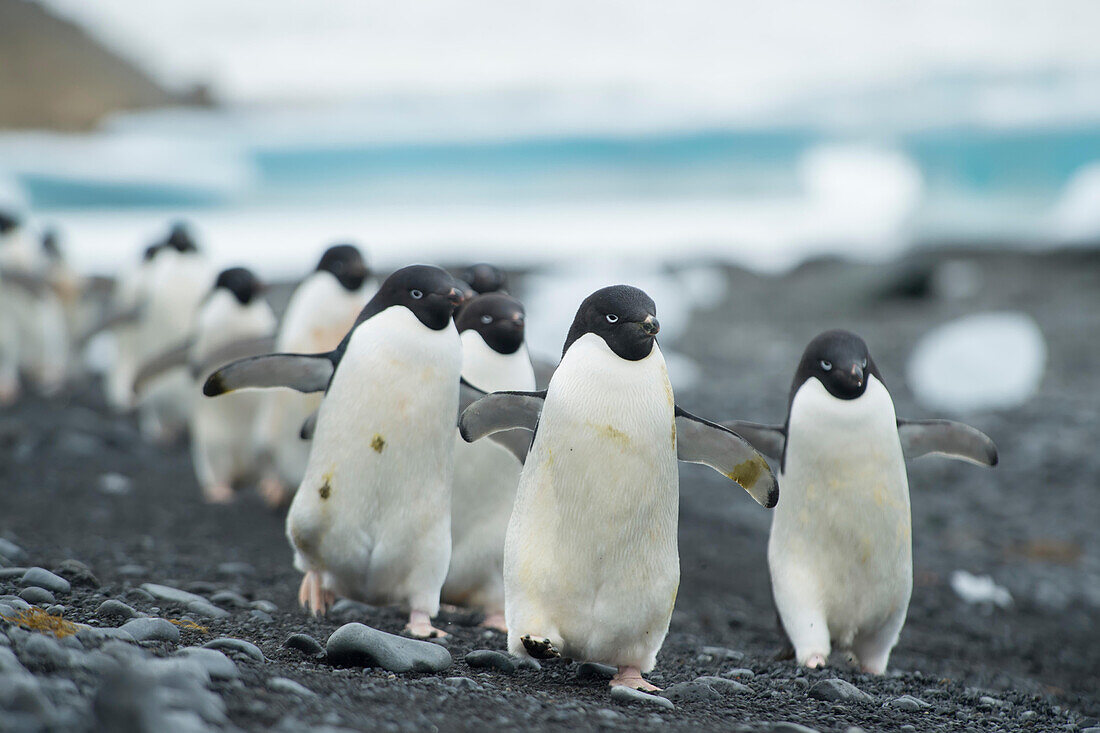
[651, 326]
[516, 321]
[455, 297]
[857, 375]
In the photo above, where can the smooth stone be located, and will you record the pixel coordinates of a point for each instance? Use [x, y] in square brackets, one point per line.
[229, 598]
[15, 602]
[723, 654]
[786, 727]
[218, 666]
[114, 484]
[908, 703]
[528, 663]
[725, 686]
[690, 692]
[95, 633]
[36, 595]
[45, 579]
[42, 653]
[11, 550]
[285, 686]
[261, 617]
[358, 645]
[77, 573]
[112, 608]
[462, 683]
[837, 690]
[22, 693]
[207, 610]
[12, 572]
[151, 629]
[740, 673]
[631, 696]
[176, 671]
[9, 662]
[991, 703]
[168, 593]
[347, 607]
[239, 646]
[305, 643]
[265, 606]
[595, 671]
[491, 659]
[56, 610]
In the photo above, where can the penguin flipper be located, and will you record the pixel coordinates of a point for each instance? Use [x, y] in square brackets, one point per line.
[168, 360]
[234, 351]
[701, 441]
[946, 438]
[768, 439]
[509, 418]
[111, 321]
[301, 372]
[309, 426]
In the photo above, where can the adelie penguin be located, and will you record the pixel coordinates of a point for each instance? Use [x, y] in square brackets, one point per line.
[591, 566]
[840, 550]
[222, 448]
[494, 357]
[372, 517]
[320, 312]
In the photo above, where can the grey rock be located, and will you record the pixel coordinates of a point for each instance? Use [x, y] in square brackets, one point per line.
[114, 484]
[41, 653]
[265, 606]
[45, 579]
[11, 572]
[95, 633]
[237, 646]
[837, 690]
[630, 696]
[34, 594]
[11, 550]
[261, 617]
[151, 629]
[178, 672]
[229, 599]
[218, 666]
[723, 654]
[1093, 729]
[491, 659]
[112, 608]
[464, 684]
[206, 610]
[787, 727]
[908, 703]
[696, 691]
[285, 686]
[22, 693]
[305, 644]
[56, 610]
[609, 715]
[9, 663]
[358, 645]
[739, 674]
[991, 703]
[528, 663]
[167, 593]
[77, 573]
[725, 686]
[595, 671]
[347, 608]
[71, 642]
[15, 603]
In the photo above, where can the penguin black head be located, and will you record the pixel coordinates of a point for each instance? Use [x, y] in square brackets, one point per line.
[484, 278]
[8, 222]
[623, 316]
[151, 252]
[180, 239]
[840, 361]
[241, 282]
[51, 246]
[346, 264]
[429, 292]
[498, 317]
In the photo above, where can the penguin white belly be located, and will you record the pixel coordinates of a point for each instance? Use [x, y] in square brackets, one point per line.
[484, 489]
[373, 511]
[591, 558]
[840, 549]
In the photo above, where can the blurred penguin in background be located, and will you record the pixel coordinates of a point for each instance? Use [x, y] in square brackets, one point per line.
[484, 278]
[64, 280]
[222, 448]
[34, 335]
[494, 359]
[123, 321]
[321, 311]
[177, 277]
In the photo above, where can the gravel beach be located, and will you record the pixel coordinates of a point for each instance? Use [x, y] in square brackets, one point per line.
[153, 611]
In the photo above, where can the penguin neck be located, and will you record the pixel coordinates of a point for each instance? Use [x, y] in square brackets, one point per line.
[492, 371]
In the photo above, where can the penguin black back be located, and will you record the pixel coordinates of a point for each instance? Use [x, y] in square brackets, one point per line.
[498, 317]
[623, 316]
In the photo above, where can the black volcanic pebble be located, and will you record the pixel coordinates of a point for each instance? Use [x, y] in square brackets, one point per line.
[112, 608]
[77, 573]
[305, 644]
[690, 692]
[490, 659]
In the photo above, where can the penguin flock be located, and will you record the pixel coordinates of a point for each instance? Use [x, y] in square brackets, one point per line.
[401, 422]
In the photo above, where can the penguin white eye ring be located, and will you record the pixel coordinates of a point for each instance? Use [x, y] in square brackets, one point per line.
[826, 365]
[416, 294]
[486, 319]
[612, 318]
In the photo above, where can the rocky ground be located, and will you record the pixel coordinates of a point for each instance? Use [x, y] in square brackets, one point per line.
[128, 542]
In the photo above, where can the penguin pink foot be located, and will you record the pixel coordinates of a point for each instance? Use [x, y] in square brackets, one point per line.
[420, 626]
[218, 494]
[496, 622]
[815, 661]
[274, 493]
[313, 596]
[632, 677]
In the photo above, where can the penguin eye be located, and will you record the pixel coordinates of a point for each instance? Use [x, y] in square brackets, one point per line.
[826, 365]
[486, 319]
[612, 318]
[416, 294]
